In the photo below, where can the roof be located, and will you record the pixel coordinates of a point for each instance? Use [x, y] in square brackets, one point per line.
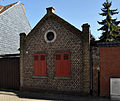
[112, 43]
[9, 55]
[4, 8]
[1, 6]
[106, 44]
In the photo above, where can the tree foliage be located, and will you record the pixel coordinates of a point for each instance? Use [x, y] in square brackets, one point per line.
[110, 29]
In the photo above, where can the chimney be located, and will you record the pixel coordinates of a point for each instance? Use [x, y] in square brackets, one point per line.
[50, 10]
[86, 28]
[86, 31]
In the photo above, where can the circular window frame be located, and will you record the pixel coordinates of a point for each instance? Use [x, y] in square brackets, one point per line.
[45, 36]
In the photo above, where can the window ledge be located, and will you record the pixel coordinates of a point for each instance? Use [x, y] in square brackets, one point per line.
[62, 77]
[44, 77]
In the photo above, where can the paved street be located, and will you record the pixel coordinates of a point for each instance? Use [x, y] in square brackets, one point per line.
[25, 96]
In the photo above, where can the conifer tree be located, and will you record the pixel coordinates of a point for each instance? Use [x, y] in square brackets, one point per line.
[110, 30]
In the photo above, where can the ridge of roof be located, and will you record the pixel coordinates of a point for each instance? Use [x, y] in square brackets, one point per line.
[6, 7]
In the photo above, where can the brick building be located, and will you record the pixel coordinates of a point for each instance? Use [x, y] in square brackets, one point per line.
[13, 21]
[55, 56]
[106, 57]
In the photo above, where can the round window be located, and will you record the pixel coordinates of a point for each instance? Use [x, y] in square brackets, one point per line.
[50, 36]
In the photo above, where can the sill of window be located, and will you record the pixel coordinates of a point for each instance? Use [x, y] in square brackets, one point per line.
[44, 77]
[63, 78]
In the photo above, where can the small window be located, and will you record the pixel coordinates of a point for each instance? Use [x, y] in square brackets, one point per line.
[58, 57]
[50, 36]
[42, 57]
[66, 56]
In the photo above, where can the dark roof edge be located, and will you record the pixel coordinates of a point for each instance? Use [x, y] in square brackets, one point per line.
[105, 44]
[9, 55]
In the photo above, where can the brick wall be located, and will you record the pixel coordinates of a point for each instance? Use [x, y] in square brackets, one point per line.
[66, 41]
[13, 21]
[109, 67]
[106, 56]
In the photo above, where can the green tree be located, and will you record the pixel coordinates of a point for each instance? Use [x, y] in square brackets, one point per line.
[110, 29]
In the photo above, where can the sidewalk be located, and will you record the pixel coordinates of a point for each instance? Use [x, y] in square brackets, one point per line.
[12, 96]
[27, 96]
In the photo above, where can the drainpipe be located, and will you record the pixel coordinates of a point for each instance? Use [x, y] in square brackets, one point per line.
[91, 71]
[98, 70]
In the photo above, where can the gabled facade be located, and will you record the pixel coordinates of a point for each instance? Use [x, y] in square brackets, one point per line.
[13, 21]
[55, 57]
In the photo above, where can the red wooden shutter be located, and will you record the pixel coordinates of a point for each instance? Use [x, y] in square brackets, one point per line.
[58, 64]
[62, 64]
[40, 67]
[36, 64]
[66, 64]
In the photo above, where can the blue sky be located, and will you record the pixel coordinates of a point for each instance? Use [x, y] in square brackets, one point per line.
[76, 12]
